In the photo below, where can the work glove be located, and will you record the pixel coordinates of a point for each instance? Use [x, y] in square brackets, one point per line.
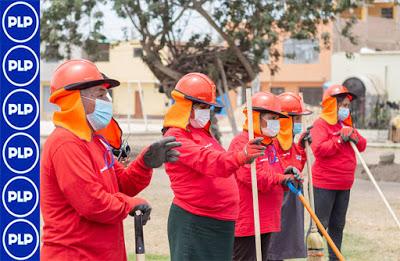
[161, 151]
[144, 207]
[345, 133]
[251, 151]
[306, 137]
[285, 179]
[354, 137]
[298, 176]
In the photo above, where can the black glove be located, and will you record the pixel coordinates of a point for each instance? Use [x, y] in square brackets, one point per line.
[306, 137]
[144, 208]
[295, 172]
[161, 151]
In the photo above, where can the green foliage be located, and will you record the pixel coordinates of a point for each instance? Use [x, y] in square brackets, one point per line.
[380, 117]
[249, 28]
[61, 23]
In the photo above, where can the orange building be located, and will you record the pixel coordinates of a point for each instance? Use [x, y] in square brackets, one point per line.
[302, 68]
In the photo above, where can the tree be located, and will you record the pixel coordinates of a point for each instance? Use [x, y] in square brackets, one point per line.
[248, 28]
[62, 23]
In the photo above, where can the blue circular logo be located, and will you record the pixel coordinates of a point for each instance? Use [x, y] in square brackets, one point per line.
[20, 109]
[20, 153]
[20, 65]
[20, 197]
[20, 239]
[20, 22]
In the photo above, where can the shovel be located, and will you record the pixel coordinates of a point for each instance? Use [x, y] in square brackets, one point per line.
[316, 220]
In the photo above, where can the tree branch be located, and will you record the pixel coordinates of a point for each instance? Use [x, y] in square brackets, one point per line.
[246, 64]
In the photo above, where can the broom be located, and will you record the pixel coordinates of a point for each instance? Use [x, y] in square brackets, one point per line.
[315, 218]
[315, 244]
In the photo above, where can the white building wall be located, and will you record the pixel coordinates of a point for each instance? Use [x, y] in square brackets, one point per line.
[383, 68]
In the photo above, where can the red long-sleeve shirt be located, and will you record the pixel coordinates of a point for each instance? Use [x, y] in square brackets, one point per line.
[82, 204]
[270, 191]
[295, 156]
[202, 179]
[335, 161]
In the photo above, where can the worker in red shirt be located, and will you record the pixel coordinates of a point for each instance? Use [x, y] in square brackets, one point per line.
[289, 243]
[335, 161]
[85, 193]
[202, 216]
[271, 179]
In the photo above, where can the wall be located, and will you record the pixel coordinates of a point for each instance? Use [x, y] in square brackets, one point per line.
[124, 67]
[382, 67]
[292, 77]
[372, 31]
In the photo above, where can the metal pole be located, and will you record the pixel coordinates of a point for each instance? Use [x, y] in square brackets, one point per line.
[142, 105]
[130, 106]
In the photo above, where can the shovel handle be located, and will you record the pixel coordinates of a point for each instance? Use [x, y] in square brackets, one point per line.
[139, 239]
[316, 220]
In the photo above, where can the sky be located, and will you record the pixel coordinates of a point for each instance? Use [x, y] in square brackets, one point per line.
[113, 25]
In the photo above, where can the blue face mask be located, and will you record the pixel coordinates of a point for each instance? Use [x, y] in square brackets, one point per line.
[343, 113]
[297, 128]
[101, 117]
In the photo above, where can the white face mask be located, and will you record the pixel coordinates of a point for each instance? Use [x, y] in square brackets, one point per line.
[201, 118]
[272, 129]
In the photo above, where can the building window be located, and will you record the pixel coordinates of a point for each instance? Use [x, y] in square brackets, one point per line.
[300, 51]
[137, 52]
[277, 90]
[99, 52]
[387, 13]
[312, 95]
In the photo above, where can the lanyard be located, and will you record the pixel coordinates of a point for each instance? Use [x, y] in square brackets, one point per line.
[272, 155]
[108, 154]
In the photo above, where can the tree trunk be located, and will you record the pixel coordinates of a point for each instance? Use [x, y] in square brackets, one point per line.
[227, 103]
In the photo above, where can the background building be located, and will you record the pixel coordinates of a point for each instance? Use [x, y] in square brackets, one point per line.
[304, 69]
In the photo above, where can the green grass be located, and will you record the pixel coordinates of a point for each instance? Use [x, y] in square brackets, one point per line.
[354, 247]
[150, 257]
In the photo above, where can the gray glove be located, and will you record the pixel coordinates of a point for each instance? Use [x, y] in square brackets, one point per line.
[161, 151]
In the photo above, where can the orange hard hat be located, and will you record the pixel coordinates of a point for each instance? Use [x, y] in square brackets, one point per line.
[198, 87]
[77, 75]
[335, 90]
[292, 104]
[267, 102]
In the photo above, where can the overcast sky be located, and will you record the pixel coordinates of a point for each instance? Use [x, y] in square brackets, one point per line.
[113, 25]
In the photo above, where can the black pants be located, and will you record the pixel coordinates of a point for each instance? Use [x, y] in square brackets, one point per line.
[331, 208]
[245, 248]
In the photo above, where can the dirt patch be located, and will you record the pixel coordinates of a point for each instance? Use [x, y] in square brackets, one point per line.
[389, 172]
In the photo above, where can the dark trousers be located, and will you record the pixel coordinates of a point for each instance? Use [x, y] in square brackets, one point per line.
[197, 238]
[245, 248]
[331, 208]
